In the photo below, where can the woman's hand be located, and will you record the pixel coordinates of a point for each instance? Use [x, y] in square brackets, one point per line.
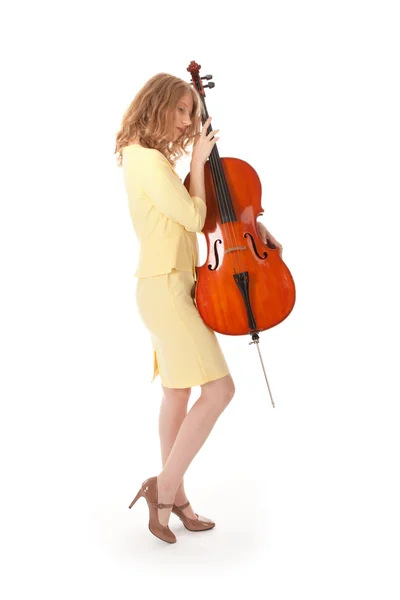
[268, 238]
[204, 144]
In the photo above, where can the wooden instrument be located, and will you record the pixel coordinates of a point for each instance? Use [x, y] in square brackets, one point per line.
[244, 287]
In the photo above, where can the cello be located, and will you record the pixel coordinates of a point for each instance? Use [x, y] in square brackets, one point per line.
[244, 287]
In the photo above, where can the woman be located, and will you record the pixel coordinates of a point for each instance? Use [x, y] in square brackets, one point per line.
[162, 120]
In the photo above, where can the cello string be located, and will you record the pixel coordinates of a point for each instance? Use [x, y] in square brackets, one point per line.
[222, 194]
[230, 234]
[222, 202]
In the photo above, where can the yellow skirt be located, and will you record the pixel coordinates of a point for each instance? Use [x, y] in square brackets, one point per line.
[186, 351]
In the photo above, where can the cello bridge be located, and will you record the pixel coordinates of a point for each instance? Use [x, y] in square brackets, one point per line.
[235, 248]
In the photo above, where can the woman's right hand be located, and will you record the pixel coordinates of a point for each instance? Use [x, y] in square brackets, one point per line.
[204, 144]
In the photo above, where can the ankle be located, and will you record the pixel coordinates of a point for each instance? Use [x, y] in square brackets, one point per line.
[165, 486]
[180, 498]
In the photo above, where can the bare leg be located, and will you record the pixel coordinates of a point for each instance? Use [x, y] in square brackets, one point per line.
[193, 432]
[173, 410]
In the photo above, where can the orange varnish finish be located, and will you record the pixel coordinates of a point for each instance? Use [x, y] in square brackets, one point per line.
[271, 286]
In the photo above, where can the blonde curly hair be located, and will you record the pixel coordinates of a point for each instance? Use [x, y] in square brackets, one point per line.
[150, 117]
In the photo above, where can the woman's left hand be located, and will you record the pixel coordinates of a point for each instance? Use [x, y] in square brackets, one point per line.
[268, 238]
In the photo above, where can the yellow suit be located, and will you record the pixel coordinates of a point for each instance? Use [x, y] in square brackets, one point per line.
[166, 218]
[164, 215]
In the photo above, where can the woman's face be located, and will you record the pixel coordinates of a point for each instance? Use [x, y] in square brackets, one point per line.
[182, 118]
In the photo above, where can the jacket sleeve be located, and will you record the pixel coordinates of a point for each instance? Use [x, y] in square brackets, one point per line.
[168, 194]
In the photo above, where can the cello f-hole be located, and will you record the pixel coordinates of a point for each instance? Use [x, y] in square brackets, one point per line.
[265, 254]
[216, 256]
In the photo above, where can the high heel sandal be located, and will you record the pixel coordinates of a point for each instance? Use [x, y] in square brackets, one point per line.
[199, 524]
[149, 491]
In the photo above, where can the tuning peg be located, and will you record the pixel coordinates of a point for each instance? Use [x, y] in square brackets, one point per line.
[210, 85]
[206, 77]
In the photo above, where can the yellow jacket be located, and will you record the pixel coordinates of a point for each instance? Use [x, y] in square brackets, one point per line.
[164, 215]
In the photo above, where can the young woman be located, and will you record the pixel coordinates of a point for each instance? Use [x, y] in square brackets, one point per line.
[161, 121]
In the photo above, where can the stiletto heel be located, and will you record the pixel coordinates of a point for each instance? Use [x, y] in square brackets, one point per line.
[149, 491]
[199, 524]
[138, 495]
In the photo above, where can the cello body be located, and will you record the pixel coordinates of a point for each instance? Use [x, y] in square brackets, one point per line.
[244, 286]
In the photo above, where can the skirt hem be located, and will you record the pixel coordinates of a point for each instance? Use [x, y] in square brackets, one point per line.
[206, 380]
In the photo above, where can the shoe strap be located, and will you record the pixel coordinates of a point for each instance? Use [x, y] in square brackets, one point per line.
[183, 506]
[160, 505]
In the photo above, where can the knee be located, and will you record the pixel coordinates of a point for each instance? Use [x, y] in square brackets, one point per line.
[220, 391]
[229, 390]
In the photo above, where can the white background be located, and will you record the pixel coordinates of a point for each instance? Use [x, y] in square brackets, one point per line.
[305, 495]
